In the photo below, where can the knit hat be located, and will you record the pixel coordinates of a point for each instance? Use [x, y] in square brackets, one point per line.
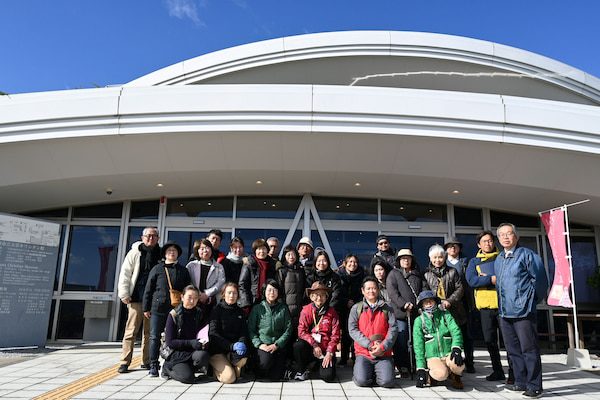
[380, 238]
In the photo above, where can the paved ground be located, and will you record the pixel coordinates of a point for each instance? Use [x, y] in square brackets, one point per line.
[35, 376]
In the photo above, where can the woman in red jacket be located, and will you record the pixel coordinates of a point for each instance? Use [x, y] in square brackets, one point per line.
[318, 335]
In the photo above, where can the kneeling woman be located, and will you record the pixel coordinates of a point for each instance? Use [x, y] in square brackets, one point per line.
[183, 325]
[437, 343]
[227, 333]
[318, 335]
[270, 329]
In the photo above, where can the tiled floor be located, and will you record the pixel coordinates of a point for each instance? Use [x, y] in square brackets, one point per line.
[39, 375]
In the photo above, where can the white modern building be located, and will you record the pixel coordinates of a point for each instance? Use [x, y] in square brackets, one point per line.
[339, 136]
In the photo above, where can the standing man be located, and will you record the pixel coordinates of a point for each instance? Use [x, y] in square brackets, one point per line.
[481, 277]
[455, 260]
[384, 253]
[134, 273]
[215, 236]
[273, 243]
[520, 283]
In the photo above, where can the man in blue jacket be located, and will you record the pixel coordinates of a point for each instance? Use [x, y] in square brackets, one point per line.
[521, 283]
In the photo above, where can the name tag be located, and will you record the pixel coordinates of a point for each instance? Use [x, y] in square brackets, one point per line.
[317, 337]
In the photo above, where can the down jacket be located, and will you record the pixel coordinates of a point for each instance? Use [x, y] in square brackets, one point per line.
[249, 280]
[453, 288]
[329, 327]
[435, 336]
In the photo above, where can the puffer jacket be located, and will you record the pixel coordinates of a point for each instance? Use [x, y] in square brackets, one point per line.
[403, 287]
[156, 294]
[521, 282]
[329, 327]
[352, 283]
[333, 281]
[435, 336]
[249, 280]
[292, 280]
[453, 288]
[479, 277]
[366, 325]
[269, 324]
[227, 326]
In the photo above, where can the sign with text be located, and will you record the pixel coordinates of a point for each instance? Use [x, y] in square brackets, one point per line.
[28, 255]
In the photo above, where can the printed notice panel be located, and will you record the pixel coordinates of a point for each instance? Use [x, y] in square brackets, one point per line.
[28, 255]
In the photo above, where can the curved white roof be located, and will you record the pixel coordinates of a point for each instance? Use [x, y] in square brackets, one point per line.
[386, 58]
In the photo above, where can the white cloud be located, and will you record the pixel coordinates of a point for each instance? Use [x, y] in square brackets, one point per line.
[183, 9]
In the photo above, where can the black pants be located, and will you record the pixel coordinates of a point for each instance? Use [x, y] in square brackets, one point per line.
[271, 365]
[303, 355]
[489, 327]
[468, 342]
[184, 371]
[346, 342]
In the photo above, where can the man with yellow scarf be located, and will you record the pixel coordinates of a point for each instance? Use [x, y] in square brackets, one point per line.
[480, 276]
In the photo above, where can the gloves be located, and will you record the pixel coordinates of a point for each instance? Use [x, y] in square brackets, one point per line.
[457, 356]
[421, 378]
[239, 348]
[195, 344]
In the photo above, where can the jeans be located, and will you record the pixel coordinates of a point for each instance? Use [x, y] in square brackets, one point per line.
[521, 342]
[365, 369]
[158, 321]
[401, 356]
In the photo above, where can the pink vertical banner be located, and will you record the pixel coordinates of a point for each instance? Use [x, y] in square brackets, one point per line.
[554, 222]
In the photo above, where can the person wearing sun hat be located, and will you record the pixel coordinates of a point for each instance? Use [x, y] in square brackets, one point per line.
[437, 341]
[318, 335]
[166, 275]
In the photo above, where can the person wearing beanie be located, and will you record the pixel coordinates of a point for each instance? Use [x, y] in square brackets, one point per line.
[437, 341]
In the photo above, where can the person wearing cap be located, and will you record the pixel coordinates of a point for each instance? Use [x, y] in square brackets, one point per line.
[384, 253]
[521, 283]
[318, 335]
[207, 275]
[372, 326]
[404, 283]
[437, 343]
[455, 260]
[305, 251]
[166, 275]
[446, 283]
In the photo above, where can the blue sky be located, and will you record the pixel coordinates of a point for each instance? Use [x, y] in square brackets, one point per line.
[68, 44]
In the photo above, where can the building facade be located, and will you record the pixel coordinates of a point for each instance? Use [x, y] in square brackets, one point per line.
[338, 136]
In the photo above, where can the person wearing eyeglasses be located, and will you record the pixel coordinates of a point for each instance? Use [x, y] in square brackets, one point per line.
[385, 253]
[521, 283]
[136, 267]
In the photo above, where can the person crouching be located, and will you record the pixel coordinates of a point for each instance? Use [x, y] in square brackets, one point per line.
[437, 342]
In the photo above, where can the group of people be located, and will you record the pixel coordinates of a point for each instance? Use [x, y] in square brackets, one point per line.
[289, 317]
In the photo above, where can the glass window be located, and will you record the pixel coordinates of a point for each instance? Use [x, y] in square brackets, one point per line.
[51, 319]
[583, 251]
[216, 207]
[469, 242]
[359, 243]
[57, 213]
[413, 212]
[92, 258]
[114, 210]
[467, 216]
[339, 208]
[520, 221]
[70, 319]
[144, 209]
[186, 240]
[250, 235]
[134, 235]
[419, 246]
[267, 207]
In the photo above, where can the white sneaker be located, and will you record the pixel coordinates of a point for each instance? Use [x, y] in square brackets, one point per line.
[302, 376]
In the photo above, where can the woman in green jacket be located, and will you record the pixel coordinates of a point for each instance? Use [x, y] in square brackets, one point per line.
[270, 329]
[437, 342]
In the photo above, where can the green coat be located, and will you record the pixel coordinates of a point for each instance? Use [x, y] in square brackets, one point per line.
[435, 337]
[270, 325]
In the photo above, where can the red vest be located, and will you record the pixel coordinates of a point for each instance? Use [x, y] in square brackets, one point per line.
[374, 325]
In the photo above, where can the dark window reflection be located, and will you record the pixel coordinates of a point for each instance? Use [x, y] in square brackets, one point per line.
[359, 243]
[419, 246]
[51, 319]
[186, 240]
[92, 258]
[57, 213]
[520, 221]
[469, 242]
[413, 212]
[60, 254]
[267, 207]
[201, 207]
[144, 209]
[114, 210]
[70, 319]
[339, 208]
[249, 235]
[134, 235]
[467, 216]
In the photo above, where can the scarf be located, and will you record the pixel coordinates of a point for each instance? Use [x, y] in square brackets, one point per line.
[150, 256]
[235, 259]
[263, 266]
[487, 256]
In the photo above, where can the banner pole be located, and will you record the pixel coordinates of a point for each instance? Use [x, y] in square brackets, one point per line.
[570, 258]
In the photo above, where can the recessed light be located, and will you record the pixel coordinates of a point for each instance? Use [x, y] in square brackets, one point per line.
[401, 208]
[180, 204]
[159, 185]
[264, 203]
[273, 205]
[347, 204]
[209, 203]
[259, 182]
[455, 191]
[357, 184]
[337, 206]
[430, 210]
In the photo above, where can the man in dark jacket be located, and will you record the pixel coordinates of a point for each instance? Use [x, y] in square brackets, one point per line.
[384, 253]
